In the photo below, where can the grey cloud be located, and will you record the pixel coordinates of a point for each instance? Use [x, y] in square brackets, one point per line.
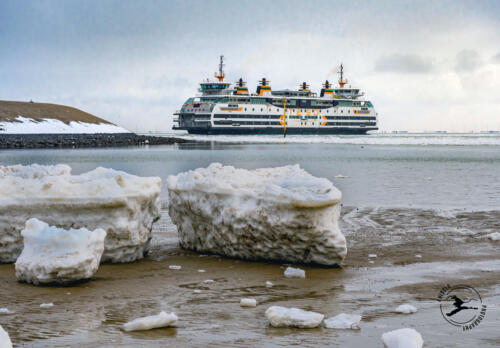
[496, 58]
[404, 63]
[468, 60]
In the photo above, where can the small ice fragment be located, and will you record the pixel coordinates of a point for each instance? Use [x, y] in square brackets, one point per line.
[152, 322]
[269, 284]
[197, 291]
[343, 321]
[248, 302]
[208, 281]
[5, 341]
[201, 271]
[406, 308]
[5, 311]
[294, 317]
[174, 267]
[371, 261]
[429, 179]
[418, 256]
[340, 176]
[495, 236]
[291, 272]
[46, 305]
[68, 293]
[372, 255]
[403, 338]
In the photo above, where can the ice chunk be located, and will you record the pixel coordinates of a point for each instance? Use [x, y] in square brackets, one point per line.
[174, 267]
[269, 284]
[340, 176]
[201, 271]
[295, 317]
[291, 272]
[418, 256]
[5, 341]
[406, 308]
[402, 338]
[248, 302]
[47, 305]
[495, 236]
[4, 310]
[208, 281]
[372, 255]
[343, 321]
[280, 213]
[152, 322]
[55, 255]
[197, 291]
[124, 205]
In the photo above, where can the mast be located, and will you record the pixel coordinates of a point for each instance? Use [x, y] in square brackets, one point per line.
[220, 75]
[342, 82]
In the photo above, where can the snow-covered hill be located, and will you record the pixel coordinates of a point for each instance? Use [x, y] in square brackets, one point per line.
[38, 118]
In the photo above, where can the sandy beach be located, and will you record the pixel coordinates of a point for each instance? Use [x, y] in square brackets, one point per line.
[91, 314]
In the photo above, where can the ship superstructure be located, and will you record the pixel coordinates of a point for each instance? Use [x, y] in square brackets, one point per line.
[225, 109]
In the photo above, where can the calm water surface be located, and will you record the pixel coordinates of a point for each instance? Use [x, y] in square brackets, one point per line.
[431, 176]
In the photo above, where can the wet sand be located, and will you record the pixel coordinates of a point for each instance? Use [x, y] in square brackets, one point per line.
[452, 244]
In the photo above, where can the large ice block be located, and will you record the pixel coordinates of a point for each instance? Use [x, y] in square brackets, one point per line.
[281, 213]
[124, 205]
[56, 255]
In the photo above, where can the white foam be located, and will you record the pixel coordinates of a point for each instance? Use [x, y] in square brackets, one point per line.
[56, 255]
[403, 338]
[5, 341]
[124, 205]
[26, 125]
[282, 214]
[343, 321]
[151, 322]
[406, 309]
[293, 317]
[291, 272]
[248, 302]
[495, 236]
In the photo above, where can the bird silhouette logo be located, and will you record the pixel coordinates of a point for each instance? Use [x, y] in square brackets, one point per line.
[461, 305]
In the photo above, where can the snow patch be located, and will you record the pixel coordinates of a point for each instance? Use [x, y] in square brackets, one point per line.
[403, 338]
[406, 309]
[294, 317]
[495, 236]
[248, 302]
[151, 322]
[56, 255]
[279, 213]
[26, 125]
[343, 321]
[5, 341]
[124, 205]
[291, 272]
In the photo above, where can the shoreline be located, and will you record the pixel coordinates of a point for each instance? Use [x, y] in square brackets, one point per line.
[43, 141]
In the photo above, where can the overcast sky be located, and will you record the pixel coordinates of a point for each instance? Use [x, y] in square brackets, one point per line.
[431, 65]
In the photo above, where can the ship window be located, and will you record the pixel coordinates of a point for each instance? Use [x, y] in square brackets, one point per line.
[245, 109]
[342, 111]
[253, 109]
[349, 111]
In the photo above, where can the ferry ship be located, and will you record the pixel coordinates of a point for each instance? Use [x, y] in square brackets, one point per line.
[225, 109]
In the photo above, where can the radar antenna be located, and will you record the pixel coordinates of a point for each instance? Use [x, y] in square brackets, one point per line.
[220, 75]
[342, 82]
